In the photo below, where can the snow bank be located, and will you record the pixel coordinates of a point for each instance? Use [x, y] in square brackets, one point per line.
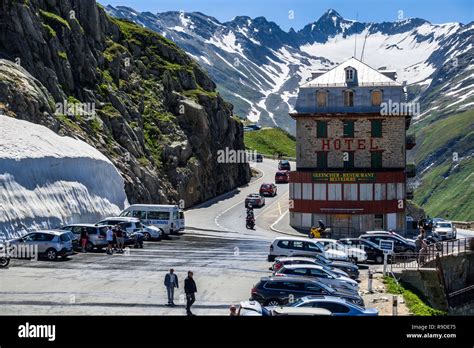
[47, 180]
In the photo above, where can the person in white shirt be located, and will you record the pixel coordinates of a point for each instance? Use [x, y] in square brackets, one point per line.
[109, 236]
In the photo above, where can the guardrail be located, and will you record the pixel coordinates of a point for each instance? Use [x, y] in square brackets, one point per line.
[464, 225]
[440, 249]
[461, 296]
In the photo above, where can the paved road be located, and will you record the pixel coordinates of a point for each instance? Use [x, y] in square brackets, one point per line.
[227, 260]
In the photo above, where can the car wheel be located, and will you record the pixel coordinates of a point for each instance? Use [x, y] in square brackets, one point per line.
[146, 236]
[51, 254]
[353, 260]
[4, 261]
[272, 302]
[379, 259]
[409, 253]
[89, 246]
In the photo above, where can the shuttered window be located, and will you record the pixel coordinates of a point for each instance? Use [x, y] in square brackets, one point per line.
[322, 158]
[376, 98]
[348, 98]
[376, 128]
[348, 158]
[322, 129]
[348, 129]
[376, 159]
[322, 97]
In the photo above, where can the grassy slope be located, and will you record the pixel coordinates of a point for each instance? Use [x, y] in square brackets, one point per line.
[271, 140]
[446, 189]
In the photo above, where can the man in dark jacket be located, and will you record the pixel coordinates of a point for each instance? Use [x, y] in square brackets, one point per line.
[190, 289]
[171, 282]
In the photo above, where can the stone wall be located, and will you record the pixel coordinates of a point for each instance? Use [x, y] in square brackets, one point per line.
[392, 142]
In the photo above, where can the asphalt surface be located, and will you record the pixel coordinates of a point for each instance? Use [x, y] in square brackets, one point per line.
[226, 258]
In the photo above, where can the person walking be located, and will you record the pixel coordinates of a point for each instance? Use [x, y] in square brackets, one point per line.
[120, 239]
[84, 239]
[171, 282]
[190, 289]
[109, 236]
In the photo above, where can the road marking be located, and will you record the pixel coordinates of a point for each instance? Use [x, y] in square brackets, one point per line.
[271, 205]
[279, 207]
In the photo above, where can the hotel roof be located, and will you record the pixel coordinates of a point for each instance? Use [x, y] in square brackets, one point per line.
[365, 76]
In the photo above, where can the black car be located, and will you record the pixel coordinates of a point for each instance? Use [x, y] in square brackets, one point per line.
[374, 253]
[284, 165]
[274, 291]
[259, 157]
[400, 244]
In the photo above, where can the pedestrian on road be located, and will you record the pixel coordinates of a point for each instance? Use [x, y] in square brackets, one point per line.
[84, 238]
[120, 239]
[190, 289]
[109, 235]
[171, 282]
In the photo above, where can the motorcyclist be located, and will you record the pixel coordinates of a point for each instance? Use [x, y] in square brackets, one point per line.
[322, 226]
[314, 233]
[250, 211]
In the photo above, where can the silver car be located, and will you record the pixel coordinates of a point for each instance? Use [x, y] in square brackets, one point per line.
[96, 235]
[49, 244]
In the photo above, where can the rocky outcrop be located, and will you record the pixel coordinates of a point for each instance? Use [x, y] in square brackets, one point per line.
[125, 90]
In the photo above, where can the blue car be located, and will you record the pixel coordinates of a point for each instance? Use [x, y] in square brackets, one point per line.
[336, 305]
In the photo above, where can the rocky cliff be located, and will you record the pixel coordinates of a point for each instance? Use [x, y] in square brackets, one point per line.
[125, 90]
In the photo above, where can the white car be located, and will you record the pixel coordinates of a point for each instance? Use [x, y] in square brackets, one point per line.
[332, 246]
[300, 246]
[130, 225]
[445, 230]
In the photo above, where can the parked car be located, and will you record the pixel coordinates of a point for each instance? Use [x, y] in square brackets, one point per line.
[282, 177]
[50, 243]
[444, 230]
[97, 235]
[259, 157]
[283, 261]
[400, 245]
[255, 199]
[253, 308]
[268, 190]
[276, 291]
[130, 225]
[299, 246]
[325, 276]
[374, 253]
[284, 165]
[332, 245]
[336, 305]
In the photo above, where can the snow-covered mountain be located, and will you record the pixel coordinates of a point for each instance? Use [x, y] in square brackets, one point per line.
[47, 180]
[258, 66]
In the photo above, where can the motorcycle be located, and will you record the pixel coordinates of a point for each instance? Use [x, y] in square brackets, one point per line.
[318, 233]
[4, 258]
[250, 223]
[434, 240]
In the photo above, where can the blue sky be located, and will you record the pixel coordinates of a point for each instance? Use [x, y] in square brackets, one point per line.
[307, 11]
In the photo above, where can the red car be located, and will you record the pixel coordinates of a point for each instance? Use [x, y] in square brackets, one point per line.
[268, 189]
[282, 176]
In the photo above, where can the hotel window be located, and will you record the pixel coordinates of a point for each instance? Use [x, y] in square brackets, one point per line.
[350, 192]
[297, 190]
[391, 191]
[321, 129]
[348, 129]
[366, 192]
[334, 192]
[322, 98]
[376, 159]
[322, 160]
[348, 98]
[307, 191]
[319, 192]
[379, 192]
[376, 128]
[400, 191]
[378, 222]
[349, 156]
[291, 190]
[376, 98]
[350, 74]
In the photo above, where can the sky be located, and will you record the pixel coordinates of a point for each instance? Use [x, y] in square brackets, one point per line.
[298, 13]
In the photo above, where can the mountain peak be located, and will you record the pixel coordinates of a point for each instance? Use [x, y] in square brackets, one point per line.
[331, 13]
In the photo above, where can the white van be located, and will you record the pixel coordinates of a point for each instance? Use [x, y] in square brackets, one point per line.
[167, 217]
[299, 246]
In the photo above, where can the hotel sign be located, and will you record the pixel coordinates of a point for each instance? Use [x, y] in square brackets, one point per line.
[343, 177]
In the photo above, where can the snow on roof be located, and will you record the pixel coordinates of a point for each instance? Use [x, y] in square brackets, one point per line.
[365, 76]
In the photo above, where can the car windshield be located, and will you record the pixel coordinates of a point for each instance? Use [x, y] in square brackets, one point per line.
[322, 259]
[443, 225]
[372, 244]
